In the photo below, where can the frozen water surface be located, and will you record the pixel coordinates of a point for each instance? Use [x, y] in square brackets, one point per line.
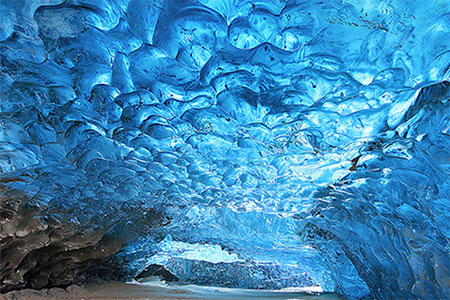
[237, 144]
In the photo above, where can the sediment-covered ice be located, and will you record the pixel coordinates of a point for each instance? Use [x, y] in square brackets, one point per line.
[248, 144]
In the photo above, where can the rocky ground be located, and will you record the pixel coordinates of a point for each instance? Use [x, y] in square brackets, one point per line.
[119, 290]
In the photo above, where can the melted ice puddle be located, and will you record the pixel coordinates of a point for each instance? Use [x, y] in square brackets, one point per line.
[211, 292]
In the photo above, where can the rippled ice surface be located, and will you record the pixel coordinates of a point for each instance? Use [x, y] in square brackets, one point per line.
[240, 144]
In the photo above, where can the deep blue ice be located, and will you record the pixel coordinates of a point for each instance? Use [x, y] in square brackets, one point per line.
[232, 143]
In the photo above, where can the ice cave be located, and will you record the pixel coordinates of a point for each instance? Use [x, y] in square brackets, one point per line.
[245, 144]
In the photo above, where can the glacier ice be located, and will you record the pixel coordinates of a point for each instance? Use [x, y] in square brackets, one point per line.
[234, 143]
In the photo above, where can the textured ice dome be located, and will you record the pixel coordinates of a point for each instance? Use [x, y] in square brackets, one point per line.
[232, 143]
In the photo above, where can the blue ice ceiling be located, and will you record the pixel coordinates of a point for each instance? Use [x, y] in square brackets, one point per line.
[250, 144]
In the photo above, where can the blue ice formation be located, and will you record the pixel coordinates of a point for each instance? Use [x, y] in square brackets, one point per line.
[234, 143]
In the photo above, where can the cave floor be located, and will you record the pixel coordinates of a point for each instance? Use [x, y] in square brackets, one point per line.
[120, 290]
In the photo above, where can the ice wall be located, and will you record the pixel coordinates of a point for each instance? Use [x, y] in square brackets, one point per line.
[252, 144]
